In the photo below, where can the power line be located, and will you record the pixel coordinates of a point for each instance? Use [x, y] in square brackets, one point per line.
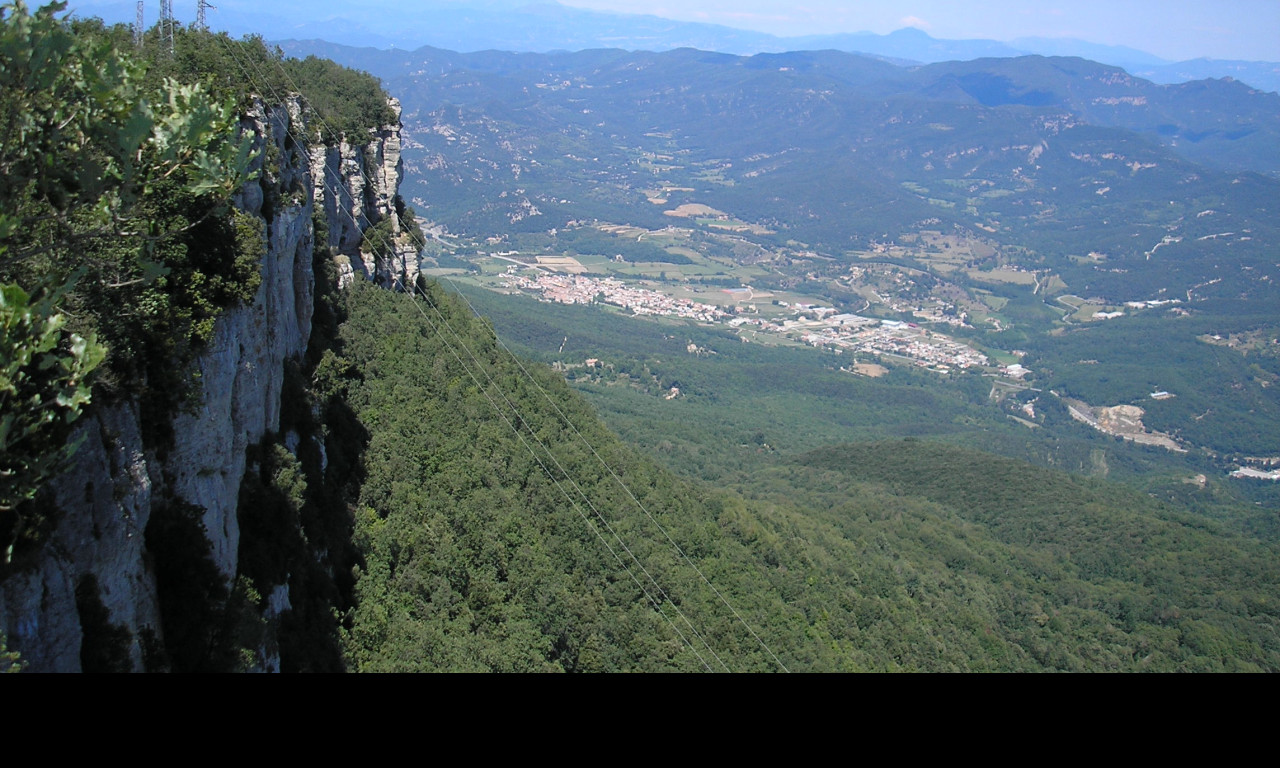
[412, 293]
[556, 462]
[524, 441]
[624, 487]
[610, 469]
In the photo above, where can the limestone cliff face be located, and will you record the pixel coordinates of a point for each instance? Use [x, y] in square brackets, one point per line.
[107, 498]
[358, 188]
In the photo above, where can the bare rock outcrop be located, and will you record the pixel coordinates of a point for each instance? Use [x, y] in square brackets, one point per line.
[357, 187]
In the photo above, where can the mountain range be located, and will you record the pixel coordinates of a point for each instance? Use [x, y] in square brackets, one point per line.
[520, 26]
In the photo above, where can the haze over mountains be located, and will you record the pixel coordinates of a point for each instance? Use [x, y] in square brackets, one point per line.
[517, 25]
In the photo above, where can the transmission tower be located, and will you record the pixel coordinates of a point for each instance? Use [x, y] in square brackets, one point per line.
[201, 5]
[138, 27]
[166, 25]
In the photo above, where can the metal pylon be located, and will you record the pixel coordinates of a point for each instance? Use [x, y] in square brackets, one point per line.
[166, 25]
[138, 23]
[201, 6]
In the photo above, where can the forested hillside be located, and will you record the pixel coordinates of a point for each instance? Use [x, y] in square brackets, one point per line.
[498, 526]
[491, 514]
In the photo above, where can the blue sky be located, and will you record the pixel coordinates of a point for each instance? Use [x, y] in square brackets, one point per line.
[1172, 29]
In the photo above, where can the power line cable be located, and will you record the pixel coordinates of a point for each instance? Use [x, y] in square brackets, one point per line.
[568, 497]
[577, 487]
[624, 487]
[567, 476]
[592, 448]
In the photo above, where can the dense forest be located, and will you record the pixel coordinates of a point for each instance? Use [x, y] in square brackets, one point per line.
[498, 530]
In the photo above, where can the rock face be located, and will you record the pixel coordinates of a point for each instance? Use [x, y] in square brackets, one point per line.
[358, 187]
[107, 498]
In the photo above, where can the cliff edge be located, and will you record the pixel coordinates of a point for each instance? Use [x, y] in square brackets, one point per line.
[94, 583]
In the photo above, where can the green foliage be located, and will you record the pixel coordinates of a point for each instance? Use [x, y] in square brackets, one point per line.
[409, 225]
[1223, 401]
[208, 627]
[153, 328]
[588, 240]
[87, 139]
[918, 555]
[314, 486]
[10, 661]
[1094, 576]
[244, 631]
[271, 497]
[191, 591]
[350, 103]
[102, 175]
[342, 104]
[383, 241]
[890, 556]
[472, 557]
[44, 386]
[380, 240]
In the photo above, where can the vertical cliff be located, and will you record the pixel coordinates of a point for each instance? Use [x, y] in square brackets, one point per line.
[91, 598]
[357, 187]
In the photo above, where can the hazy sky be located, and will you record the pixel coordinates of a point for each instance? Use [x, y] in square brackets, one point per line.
[1172, 29]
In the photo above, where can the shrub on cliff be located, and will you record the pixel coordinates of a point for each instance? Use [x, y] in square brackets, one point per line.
[93, 156]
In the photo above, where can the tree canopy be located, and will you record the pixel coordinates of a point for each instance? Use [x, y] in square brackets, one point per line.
[94, 160]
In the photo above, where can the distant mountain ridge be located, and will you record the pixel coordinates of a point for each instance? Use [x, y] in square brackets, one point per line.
[514, 25]
[1221, 124]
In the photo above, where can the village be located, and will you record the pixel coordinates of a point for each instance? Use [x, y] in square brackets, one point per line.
[824, 327]
[577, 289]
[811, 324]
[916, 337]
